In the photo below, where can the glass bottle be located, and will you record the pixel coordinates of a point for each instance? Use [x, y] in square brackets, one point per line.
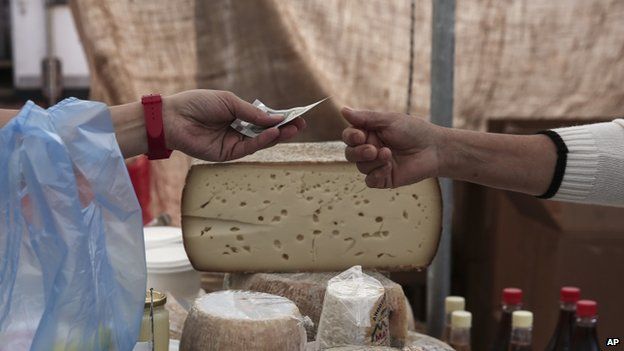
[584, 336]
[521, 331]
[459, 338]
[451, 304]
[560, 340]
[511, 301]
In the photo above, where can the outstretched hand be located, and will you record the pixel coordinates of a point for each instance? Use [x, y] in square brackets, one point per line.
[197, 122]
[391, 149]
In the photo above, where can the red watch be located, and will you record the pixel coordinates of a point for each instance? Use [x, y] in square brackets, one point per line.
[152, 110]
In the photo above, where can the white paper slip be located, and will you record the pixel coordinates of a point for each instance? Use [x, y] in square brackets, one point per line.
[251, 130]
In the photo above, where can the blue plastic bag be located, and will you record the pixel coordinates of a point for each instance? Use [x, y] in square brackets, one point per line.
[72, 261]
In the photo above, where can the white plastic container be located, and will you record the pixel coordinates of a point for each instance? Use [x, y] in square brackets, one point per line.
[168, 268]
[161, 236]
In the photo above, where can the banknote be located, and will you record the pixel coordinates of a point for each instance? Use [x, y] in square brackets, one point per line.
[251, 130]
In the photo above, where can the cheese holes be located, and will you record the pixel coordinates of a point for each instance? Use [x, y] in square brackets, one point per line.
[277, 244]
[285, 257]
[378, 219]
[300, 237]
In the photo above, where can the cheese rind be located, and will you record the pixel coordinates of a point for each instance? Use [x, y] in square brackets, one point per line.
[242, 320]
[307, 291]
[302, 207]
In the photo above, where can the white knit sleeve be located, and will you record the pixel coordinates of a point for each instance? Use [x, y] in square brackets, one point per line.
[594, 170]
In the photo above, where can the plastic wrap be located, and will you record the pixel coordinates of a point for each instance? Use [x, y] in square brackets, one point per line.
[307, 291]
[354, 311]
[235, 320]
[72, 262]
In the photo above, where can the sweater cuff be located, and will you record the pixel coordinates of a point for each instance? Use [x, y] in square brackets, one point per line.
[582, 162]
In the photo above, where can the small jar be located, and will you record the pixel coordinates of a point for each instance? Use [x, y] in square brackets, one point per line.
[160, 321]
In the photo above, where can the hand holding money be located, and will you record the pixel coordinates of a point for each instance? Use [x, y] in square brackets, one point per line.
[197, 122]
[251, 130]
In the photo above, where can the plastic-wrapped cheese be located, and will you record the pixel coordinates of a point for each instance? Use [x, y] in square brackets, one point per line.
[242, 320]
[417, 342]
[307, 291]
[303, 207]
[354, 311]
[420, 342]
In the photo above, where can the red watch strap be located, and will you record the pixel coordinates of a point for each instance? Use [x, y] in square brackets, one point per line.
[152, 110]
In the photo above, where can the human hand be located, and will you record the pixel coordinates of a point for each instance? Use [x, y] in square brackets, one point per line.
[197, 122]
[392, 149]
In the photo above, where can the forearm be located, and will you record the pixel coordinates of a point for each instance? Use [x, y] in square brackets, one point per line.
[129, 127]
[6, 115]
[523, 163]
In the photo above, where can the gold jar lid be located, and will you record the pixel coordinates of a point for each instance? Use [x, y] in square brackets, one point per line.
[160, 299]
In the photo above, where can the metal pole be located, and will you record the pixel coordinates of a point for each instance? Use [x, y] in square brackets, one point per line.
[442, 65]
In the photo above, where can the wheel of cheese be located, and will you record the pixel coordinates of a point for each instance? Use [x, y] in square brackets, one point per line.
[242, 320]
[307, 291]
[303, 207]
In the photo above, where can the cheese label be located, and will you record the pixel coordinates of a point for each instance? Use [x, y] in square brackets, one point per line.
[379, 323]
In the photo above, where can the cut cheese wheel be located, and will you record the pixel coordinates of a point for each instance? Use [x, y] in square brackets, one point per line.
[307, 291]
[302, 207]
[241, 320]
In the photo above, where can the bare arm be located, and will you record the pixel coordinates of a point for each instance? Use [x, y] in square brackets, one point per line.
[523, 163]
[6, 115]
[395, 150]
[196, 122]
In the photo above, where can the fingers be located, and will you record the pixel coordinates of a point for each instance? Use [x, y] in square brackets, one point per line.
[248, 146]
[383, 157]
[248, 112]
[267, 138]
[361, 153]
[368, 120]
[380, 178]
[353, 137]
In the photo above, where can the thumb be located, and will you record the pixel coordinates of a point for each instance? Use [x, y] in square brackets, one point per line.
[369, 120]
[249, 113]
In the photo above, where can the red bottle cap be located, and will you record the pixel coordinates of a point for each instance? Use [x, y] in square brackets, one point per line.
[586, 308]
[570, 294]
[512, 296]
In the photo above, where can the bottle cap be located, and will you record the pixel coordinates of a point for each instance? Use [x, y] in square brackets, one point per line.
[512, 296]
[454, 303]
[586, 308]
[522, 319]
[570, 294]
[461, 319]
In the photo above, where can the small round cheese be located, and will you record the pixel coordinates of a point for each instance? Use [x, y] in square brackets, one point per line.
[241, 320]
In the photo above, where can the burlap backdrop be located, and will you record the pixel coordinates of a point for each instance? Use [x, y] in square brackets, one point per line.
[518, 59]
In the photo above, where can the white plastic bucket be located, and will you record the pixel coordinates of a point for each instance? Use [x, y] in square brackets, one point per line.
[168, 268]
[161, 236]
